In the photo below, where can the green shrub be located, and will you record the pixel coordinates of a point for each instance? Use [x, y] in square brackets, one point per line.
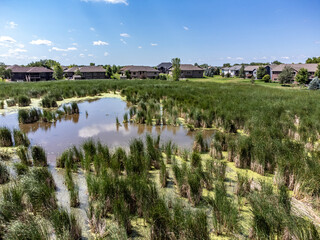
[48, 102]
[266, 78]
[39, 156]
[5, 137]
[23, 101]
[20, 138]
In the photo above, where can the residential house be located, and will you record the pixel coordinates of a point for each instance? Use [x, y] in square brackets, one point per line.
[252, 70]
[277, 69]
[86, 72]
[164, 67]
[233, 71]
[30, 74]
[140, 72]
[189, 71]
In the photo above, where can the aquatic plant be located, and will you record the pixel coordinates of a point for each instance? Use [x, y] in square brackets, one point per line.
[23, 101]
[4, 174]
[11, 203]
[20, 138]
[72, 188]
[39, 156]
[22, 153]
[29, 116]
[163, 177]
[65, 225]
[11, 102]
[5, 137]
[125, 118]
[20, 168]
[199, 144]
[48, 102]
[1, 104]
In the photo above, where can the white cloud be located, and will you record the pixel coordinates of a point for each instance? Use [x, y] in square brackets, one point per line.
[92, 29]
[109, 1]
[106, 54]
[11, 25]
[317, 42]
[81, 55]
[123, 41]
[90, 55]
[285, 58]
[17, 50]
[64, 50]
[139, 47]
[100, 43]
[64, 54]
[154, 44]
[7, 39]
[239, 58]
[41, 42]
[126, 35]
[74, 44]
[186, 28]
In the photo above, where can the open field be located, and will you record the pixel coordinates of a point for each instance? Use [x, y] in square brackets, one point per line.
[259, 176]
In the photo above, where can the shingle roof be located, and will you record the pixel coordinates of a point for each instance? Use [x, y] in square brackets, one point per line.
[189, 67]
[312, 67]
[86, 69]
[138, 69]
[235, 68]
[165, 65]
[19, 69]
[250, 68]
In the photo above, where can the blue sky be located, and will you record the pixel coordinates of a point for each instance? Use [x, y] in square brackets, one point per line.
[147, 32]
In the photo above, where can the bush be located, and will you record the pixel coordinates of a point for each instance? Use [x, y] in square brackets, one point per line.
[24, 101]
[11, 102]
[49, 102]
[266, 78]
[39, 156]
[4, 174]
[314, 84]
[20, 138]
[5, 137]
[29, 116]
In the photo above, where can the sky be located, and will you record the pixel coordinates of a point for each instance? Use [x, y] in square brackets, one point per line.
[148, 32]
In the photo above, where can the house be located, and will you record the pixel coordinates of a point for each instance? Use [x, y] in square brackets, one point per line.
[86, 72]
[140, 72]
[233, 71]
[277, 69]
[252, 70]
[189, 71]
[164, 67]
[30, 74]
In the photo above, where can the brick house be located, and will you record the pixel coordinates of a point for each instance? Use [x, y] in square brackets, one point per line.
[87, 72]
[277, 69]
[30, 74]
[189, 71]
[140, 72]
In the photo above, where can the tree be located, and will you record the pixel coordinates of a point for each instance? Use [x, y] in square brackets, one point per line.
[242, 73]
[108, 72]
[114, 69]
[128, 74]
[176, 69]
[276, 62]
[77, 72]
[92, 64]
[261, 72]
[313, 60]
[286, 76]
[266, 78]
[57, 72]
[5, 73]
[317, 73]
[226, 65]
[48, 63]
[302, 76]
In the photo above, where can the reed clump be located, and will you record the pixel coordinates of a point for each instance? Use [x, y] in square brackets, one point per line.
[20, 138]
[24, 101]
[39, 156]
[5, 137]
[4, 174]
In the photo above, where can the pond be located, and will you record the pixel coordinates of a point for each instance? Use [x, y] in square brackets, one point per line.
[97, 120]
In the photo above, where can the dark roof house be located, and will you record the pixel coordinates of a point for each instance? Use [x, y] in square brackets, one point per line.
[164, 67]
[30, 74]
[189, 71]
[87, 72]
[141, 72]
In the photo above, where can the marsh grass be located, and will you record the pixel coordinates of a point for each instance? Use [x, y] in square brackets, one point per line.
[21, 169]
[23, 101]
[65, 225]
[20, 138]
[4, 174]
[39, 156]
[11, 102]
[72, 188]
[5, 137]
[22, 153]
[29, 116]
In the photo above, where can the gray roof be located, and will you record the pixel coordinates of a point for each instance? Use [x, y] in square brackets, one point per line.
[86, 69]
[235, 68]
[311, 67]
[250, 68]
[19, 69]
[165, 65]
[189, 67]
[138, 69]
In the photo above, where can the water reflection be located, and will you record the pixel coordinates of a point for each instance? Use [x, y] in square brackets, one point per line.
[97, 120]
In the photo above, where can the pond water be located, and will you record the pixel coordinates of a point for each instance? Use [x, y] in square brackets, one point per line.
[97, 120]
